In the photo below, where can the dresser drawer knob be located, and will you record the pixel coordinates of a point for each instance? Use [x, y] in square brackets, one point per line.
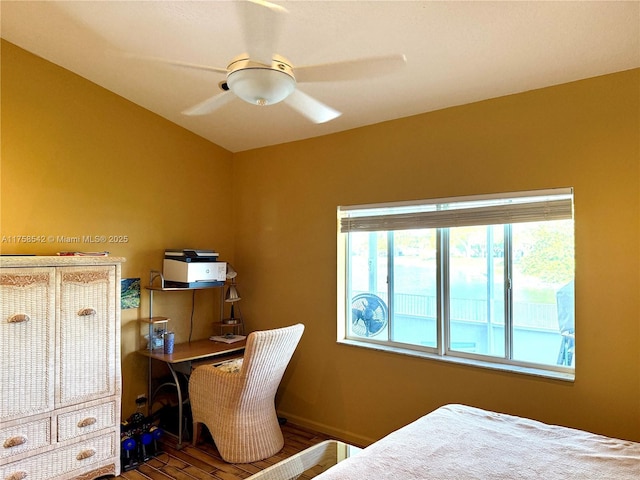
[17, 476]
[87, 312]
[87, 422]
[19, 318]
[89, 452]
[14, 441]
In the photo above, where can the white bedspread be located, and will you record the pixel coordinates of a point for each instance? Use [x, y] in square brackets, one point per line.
[463, 443]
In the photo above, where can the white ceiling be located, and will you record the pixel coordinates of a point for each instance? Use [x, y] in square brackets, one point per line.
[457, 53]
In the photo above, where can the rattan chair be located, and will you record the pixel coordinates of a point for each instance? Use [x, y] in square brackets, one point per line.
[238, 407]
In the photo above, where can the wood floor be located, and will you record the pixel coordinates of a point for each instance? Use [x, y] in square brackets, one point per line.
[204, 462]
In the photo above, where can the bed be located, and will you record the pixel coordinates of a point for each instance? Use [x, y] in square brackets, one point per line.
[459, 442]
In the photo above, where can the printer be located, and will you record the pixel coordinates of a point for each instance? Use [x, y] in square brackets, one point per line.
[190, 268]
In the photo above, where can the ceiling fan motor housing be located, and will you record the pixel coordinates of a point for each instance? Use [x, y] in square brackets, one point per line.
[261, 84]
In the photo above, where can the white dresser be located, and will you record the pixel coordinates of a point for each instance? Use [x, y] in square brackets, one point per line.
[60, 382]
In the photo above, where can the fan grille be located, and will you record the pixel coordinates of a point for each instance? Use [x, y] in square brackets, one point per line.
[369, 315]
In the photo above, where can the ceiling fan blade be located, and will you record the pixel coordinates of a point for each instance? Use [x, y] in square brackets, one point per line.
[210, 104]
[261, 22]
[311, 108]
[350, 69]
[175, 63]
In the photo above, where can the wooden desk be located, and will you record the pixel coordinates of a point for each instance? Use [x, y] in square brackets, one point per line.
[184, 358]
[184, 352]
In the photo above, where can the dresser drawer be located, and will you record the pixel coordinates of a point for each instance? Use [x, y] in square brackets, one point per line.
[59, 463]
[25, 437]
[80, 422]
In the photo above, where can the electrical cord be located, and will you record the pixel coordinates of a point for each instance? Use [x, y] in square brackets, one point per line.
[193, 308]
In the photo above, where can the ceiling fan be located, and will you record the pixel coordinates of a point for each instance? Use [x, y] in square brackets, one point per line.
[262, 77]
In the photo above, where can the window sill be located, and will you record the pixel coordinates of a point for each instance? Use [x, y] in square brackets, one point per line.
[472, 362]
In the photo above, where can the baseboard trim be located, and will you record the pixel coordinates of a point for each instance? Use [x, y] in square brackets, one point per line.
[339, 434]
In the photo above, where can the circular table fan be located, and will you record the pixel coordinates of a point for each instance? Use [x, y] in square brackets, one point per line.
[369, 315]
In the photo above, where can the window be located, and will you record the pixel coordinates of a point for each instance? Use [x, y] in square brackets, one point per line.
[484, 279]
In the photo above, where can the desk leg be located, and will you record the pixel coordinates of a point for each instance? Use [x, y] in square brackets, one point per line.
[179, 392]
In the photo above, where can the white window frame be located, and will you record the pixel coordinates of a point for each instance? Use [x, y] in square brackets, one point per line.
[496, 209]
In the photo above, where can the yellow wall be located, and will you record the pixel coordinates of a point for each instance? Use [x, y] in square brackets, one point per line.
[78, 160]
[584, 135]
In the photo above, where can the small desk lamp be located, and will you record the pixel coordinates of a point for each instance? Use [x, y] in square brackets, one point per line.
[232, 295]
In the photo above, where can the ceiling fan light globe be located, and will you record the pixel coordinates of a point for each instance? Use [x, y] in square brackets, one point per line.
[261, 86]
